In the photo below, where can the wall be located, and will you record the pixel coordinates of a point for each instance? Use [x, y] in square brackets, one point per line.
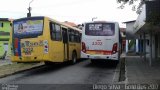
[141, 19]
[4, 37]
[130, 31]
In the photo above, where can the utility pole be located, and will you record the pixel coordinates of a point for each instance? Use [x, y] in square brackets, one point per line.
[94, 18]
[29, 9]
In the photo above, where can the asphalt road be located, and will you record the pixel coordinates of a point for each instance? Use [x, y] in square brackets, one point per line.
[81, 75]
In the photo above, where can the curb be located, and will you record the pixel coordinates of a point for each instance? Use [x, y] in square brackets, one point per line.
[116, 75]
[126, 74]
[122, 70]
[21, 70]
[5, 64]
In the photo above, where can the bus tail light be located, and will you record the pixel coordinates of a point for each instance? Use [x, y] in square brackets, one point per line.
[83, 47]
[45, 42]
[114, 48]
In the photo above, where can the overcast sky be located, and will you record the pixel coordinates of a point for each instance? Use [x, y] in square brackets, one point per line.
[77, 11]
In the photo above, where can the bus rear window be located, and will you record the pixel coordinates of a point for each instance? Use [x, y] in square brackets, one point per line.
[28, 28]
[100, 29]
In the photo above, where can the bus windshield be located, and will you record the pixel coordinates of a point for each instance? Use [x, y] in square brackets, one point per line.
[100, 29]
[28, 28]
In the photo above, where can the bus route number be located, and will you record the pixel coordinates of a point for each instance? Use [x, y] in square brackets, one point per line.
[96, 43]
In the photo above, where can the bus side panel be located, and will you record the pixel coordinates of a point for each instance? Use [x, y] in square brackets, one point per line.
[55, 47]
[56, 51]
[78, 50]
[72, 47]
[46, 36]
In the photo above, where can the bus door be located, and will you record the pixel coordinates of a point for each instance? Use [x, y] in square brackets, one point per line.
[65, 42]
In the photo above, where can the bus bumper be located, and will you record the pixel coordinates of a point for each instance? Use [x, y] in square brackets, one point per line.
[107, 57]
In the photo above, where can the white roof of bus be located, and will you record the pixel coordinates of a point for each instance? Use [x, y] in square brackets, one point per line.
[101, 22]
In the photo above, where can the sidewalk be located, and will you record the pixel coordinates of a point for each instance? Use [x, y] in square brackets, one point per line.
[138, 71]
[5, 61]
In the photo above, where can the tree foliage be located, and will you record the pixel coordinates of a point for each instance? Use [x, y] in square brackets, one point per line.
[154, 16]
[130, 2]
[126, 1]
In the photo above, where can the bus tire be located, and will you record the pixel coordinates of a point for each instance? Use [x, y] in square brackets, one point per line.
[117, 62]
[93, 61]
[74, 57]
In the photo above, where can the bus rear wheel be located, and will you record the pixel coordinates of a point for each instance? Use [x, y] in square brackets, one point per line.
[93, 61]
[74, 57]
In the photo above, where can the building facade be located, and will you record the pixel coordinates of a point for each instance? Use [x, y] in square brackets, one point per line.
[123, 36]
[147, 27]
[132, 40]
[5, 29]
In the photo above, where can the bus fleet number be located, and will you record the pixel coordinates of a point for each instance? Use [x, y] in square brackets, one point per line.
[96, 43]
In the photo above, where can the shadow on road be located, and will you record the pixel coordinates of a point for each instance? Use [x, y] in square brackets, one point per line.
[49, 68]
[103, 64]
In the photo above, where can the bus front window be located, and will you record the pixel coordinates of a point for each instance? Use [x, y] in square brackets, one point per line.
[28, 28]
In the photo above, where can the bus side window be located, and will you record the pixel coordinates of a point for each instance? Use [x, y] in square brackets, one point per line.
[65, 35]
[76, 36]
[52, 31]
[55, 31]
[79, 36]
[58, 32]
[71, 35]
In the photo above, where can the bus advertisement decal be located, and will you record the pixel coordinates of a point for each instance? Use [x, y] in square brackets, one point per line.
[17, 47]
[28, 46]
[31, 44]
[27, 51]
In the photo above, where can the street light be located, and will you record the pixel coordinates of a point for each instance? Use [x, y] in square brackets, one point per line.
[29, 9]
